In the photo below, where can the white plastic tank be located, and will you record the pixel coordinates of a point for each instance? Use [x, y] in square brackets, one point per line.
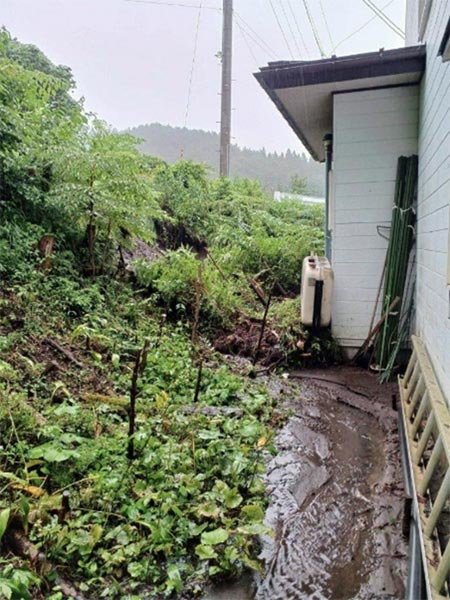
[316, 291]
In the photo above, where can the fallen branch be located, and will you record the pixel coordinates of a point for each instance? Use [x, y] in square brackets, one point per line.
[199, 293]
[269, 368]
[67, 353]
[216, 264]
[198, 382]
[375, 330]
[139, 365]
[254, 285]
[20, 545]
[65, 507]
[263, 326]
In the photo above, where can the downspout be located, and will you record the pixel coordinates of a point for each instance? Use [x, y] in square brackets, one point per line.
[328, 146]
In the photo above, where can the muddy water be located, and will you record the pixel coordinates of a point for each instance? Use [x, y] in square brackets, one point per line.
[320, 485]
[335, 498]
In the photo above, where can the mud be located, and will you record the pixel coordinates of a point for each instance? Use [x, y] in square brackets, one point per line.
[242, 341]
[336, 493]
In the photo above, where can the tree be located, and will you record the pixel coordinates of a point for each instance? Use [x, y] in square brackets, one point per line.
[104, 182]
[35, 115]
[298, 185]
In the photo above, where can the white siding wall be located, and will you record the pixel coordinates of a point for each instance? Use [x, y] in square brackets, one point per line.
[371, 130]
[433, 323]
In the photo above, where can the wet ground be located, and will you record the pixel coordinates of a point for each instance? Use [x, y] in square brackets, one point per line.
[336, 494]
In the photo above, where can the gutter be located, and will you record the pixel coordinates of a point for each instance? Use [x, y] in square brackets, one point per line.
[328, 146]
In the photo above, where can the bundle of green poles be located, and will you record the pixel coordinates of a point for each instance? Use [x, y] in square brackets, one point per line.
[401, 240]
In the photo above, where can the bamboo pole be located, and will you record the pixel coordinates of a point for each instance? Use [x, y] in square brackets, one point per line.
[397, 256]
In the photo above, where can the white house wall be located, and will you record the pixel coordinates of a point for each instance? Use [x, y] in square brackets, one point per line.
[371, 130]
[433, 323]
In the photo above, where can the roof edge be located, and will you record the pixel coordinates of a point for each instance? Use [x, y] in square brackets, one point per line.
[286, 115]
[288, 74]
[293, 74]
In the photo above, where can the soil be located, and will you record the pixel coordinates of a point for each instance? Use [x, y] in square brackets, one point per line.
[243, 339]
[140, 250]
[335, 493]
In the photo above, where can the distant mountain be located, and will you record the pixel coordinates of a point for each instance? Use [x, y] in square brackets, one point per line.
[272, 169]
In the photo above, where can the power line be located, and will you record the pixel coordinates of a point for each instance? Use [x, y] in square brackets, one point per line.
[313, 27]
[191, 75]
[298, 28]
[281, 29]
[244, 37]
[176, 4]
[252, 34]
[360, 28]
[383, 16]
[326, 23]
[290, 29]
[395, 28]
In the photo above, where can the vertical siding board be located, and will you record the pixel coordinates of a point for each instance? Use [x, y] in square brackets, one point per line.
[366, 149]
[433, 236]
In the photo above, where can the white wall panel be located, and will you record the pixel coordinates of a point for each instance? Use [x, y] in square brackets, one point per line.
[432, 292]
[371, 130]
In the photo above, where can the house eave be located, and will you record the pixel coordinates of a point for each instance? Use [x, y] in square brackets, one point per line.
[303, 90]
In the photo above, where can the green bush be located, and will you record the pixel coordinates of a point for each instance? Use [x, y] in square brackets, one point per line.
[180, 280]
[19, 256]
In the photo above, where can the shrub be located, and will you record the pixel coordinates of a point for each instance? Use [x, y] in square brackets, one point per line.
[19, 256]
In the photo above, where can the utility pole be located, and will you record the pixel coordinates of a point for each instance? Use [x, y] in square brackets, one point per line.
[225, 109]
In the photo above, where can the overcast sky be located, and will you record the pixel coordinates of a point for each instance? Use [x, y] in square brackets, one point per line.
[132, 60]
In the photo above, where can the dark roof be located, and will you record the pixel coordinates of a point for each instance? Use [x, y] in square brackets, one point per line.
[346, 73]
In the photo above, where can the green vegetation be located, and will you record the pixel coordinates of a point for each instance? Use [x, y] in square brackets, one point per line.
[274, 171]
[131, 453]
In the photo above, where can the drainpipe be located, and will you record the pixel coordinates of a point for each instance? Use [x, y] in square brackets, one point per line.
[328, 146]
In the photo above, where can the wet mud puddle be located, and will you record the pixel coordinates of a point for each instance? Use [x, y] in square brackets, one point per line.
[335, 500]
[320, 485]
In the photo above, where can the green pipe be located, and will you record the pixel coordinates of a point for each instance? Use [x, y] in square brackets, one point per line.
[399, 247]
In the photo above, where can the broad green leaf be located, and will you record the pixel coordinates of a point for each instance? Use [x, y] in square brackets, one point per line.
[252, 563]
[216, 536]
[25, 509]
[60, 388]
[52, 453]
[253, 512]
[161, 400]
[232, 498]
[96, 534]
[7, 372]
[136, 569]
[174, 582]
[255, 529]
[205, 552]
[4, 520]
[250, 430]
[209, 509]
[66, 409]
[209, 434]
[6, 590]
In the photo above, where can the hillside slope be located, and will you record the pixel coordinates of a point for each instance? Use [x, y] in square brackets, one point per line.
[132, 450]
[274, 171]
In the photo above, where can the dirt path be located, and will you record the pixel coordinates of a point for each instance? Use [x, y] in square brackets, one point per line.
[336, 493]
